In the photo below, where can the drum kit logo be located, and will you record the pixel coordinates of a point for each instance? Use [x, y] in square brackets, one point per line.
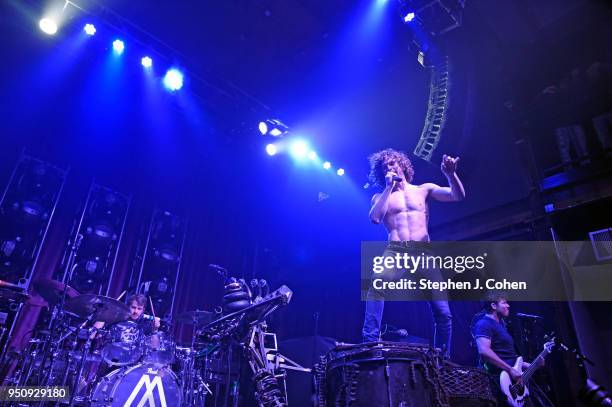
[148, 397]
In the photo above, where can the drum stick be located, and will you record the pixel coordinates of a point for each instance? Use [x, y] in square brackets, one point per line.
[152, 309]
[121, 295]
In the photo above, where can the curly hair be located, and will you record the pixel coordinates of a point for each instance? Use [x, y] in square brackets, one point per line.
[377, 162]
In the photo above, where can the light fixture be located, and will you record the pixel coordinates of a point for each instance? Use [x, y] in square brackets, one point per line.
[118, 47]
[173, 80]
[273, 127]
[146, 61]
[89, 29]
[48, 25]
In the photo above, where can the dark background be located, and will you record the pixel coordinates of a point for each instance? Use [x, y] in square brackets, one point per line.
[340, 74]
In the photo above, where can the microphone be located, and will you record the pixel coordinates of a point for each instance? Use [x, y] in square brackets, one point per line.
[528, 316]
[397, 178]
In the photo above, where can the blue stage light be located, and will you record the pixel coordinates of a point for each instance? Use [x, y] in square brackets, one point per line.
[312, 155]
[275, 132]
[271, 149]
[118, 47]
[299, 149]
[273, 127]
[147, 62]
[263, 128]
[409, 17]
[340, 171]
[173, 80]
[89, 29]
[327, 165]
[48, 25]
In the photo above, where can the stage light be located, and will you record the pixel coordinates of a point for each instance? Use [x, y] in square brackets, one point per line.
[340, 171]
[312, 155]
[263, 128]
[48, 26]
[147, 62]
[299, 149]
[271, 149]
[273, 127]
[118, 47]
[173, 80]
[409, 17]
[327, 165]
[89, 29]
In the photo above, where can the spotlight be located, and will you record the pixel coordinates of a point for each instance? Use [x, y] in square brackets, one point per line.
[173, 80]
[340, 171]
[89, 29]
[409, 17]
[263, 128]
[299, 149]
[271, 149]
[147, 62]
[327, 165]
[118, 47]
[48, 26]
[273, 127]
[312, 155]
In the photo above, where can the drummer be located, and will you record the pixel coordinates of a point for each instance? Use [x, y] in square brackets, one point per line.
[147, 324]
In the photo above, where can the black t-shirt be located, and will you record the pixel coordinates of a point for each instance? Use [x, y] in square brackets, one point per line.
[501, 341]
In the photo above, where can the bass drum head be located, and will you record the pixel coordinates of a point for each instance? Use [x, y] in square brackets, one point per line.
[143, 384]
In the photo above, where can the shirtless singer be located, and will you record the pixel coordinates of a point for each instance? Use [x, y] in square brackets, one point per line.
[402, 208]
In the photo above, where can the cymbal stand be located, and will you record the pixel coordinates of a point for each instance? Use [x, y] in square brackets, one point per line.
[84, 353]
[189, 377]
[57, 318]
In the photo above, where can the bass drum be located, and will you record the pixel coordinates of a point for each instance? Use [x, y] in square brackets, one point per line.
[143, 384]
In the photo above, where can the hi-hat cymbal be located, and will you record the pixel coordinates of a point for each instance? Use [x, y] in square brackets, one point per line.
[52, 290]
[195, 317]
[106, 309]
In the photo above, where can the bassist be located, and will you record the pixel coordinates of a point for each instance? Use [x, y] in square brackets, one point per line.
[496, 346]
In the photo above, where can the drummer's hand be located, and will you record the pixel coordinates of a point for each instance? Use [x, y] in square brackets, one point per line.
[156, 322]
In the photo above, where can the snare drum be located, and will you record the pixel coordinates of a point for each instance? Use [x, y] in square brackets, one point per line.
[159, 349]
[143, 384]
[123, 344]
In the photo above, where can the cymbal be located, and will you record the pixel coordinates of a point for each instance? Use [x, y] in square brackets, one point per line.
[195, 317]
[52, 290]
[106, 309]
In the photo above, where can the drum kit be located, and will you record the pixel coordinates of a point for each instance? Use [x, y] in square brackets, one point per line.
[116, 363]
